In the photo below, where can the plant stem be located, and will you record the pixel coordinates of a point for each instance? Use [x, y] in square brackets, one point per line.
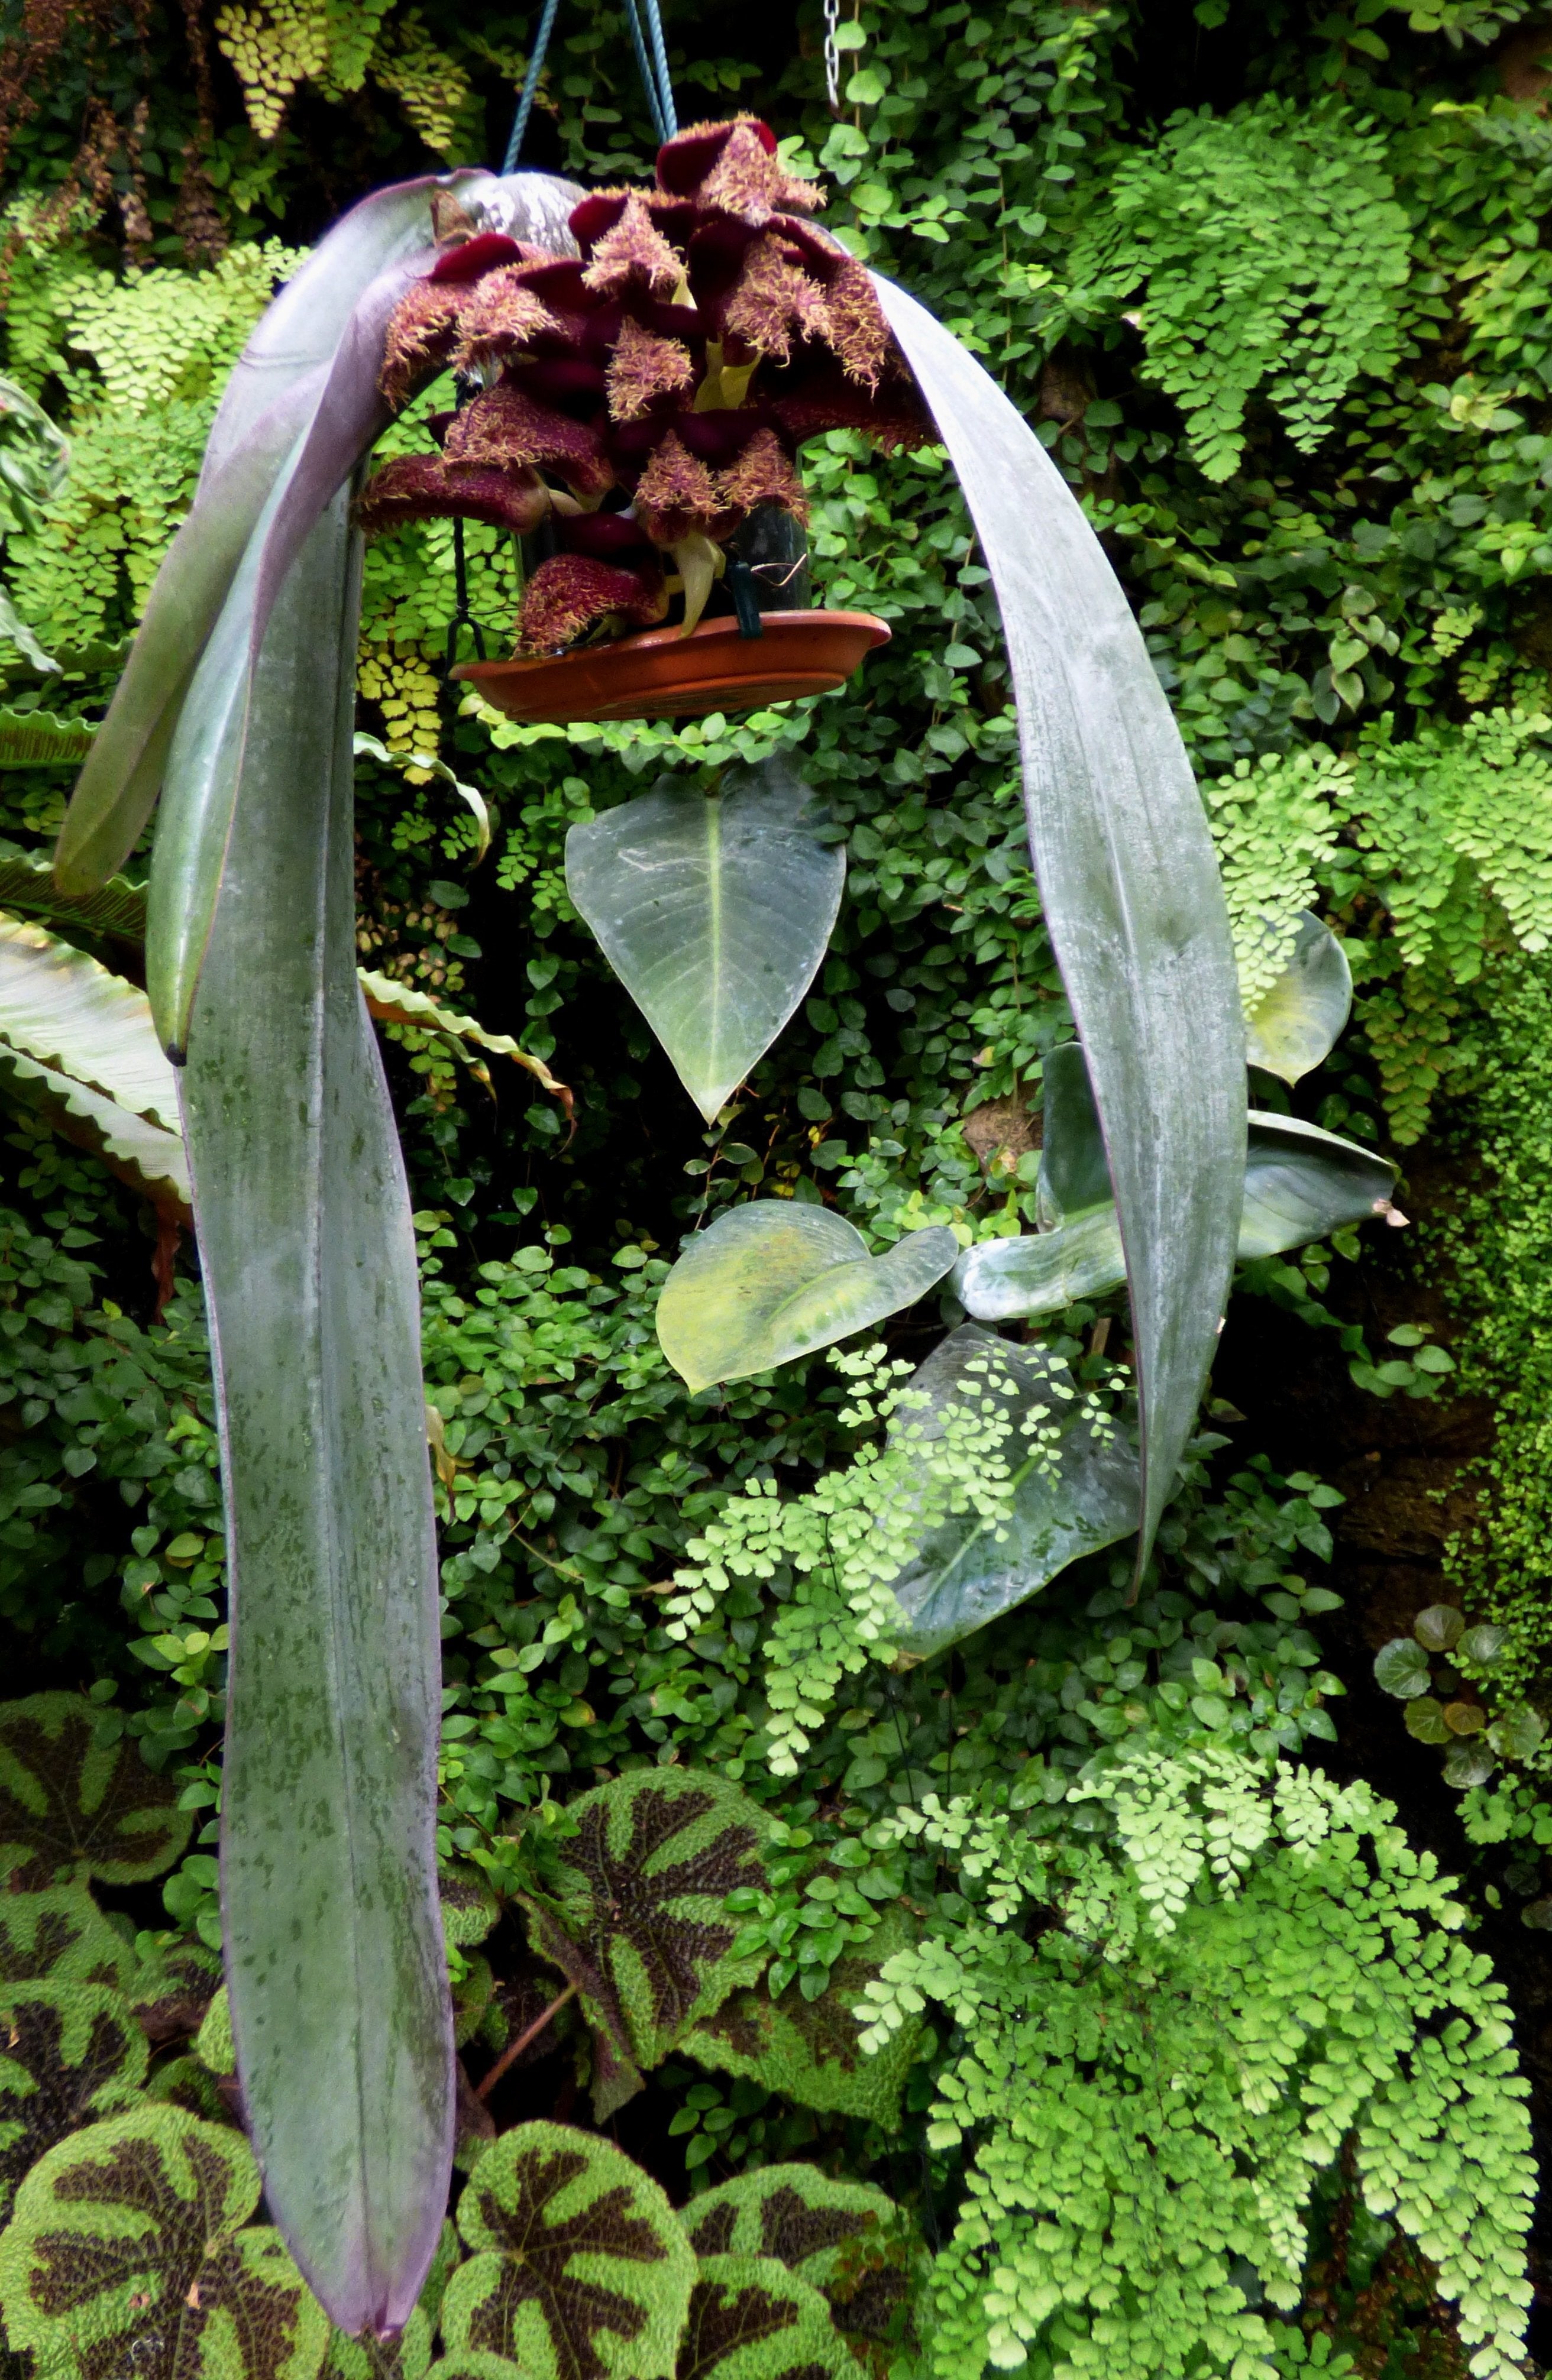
[514, 2049]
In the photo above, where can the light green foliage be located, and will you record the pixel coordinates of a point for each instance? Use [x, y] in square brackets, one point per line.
[131, 2240]
[61, 1935]
[1263, 250]
[1248, 1968]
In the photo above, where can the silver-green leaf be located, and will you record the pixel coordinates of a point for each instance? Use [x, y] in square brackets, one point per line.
[1297, 1023]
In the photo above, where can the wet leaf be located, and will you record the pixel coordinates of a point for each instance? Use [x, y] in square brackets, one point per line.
[128, 2253]
[581, 2270]
[845, 2238]
[1042, 1272]
[60, 1933]
[751, 2319]
[713, 910]
[1074, 1170]
[771, 1280]
[68, 1802]
[69, 2053]
[1440, 1628]
[809, 2050]
[1401, 1667]
[1299, 1018]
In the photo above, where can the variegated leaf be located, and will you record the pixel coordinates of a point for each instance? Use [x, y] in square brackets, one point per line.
[62, 1935]
[69, 2053]
[844, 2239]
[68, 1802]
[752, 2319]
[809, 2050]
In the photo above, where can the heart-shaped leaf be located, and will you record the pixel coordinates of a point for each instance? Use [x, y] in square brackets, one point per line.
[771, 1280]
[810, 2050]
[632, 1913]
[715, 911]
[751, 2319]
[60, 1933]
[1296, 1022]
[845, 2238]
[582, 2269]
[69, 2053]
[1440, 1628]
[1071, 1499]
[1401, 1667]
[128, 2252]
[1302, 1182]
[69, 1803]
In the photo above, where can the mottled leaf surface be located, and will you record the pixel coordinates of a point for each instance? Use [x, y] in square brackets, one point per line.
[1128, 884]
[715, 911]
[69, 1803]
[407, 2356]
[469, 1906]
[1297, 1023]
[127, 2253]
[582, 2270]
[844, 2239]
[60, 1933]
[771, 1280]
[69, 2053]
[752, 2319]
[810, 2050]
[635, 1916]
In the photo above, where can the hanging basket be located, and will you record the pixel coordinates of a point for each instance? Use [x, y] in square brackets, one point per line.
[665, 674]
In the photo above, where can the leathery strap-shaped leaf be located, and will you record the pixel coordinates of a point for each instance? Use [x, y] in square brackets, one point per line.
[1128, 881]
[333, 1939]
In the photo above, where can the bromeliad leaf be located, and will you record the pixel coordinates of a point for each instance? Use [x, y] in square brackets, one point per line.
[1297, 1023]
[69, 1803]
[62, 1007]
[127, 2252]
[845, 2238]
[36, 739]
[751, 2319]
[772, 1280]
[715, 911]
[810, 2050]
[634, 1915]
[60, 1933]
[69, 2053]
[582, 2270]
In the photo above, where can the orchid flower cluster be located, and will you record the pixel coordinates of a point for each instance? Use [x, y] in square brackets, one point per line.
[639, 400]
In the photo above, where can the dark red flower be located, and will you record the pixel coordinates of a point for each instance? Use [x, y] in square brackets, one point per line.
[574, 591]
[420, 487]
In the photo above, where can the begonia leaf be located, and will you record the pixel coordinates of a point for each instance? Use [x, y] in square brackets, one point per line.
[1296, 1024]
[582, 2270]
[407, 2356]
[714, 910]
[173, 1991]
[470, 1908]
[1401, 1667]
[60, 1933]
[633, 1914]
[69, 2054]
[771, 1279]
[751, 2319]
[810, 2050]
[1128, 884]
[130, 2250]
[68, 1802]
[845, 2238]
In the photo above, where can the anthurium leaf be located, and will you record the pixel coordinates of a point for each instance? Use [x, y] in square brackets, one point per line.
[633, 1909]
[1128, 884]
[581, 2270]
[751, 2319]
[69, 2053]
[59, 1005]
[1302, 1182]
[26, 884]
[334, 1957]
[714, 910]
[36, 739]
[1298, 1021]
[1401, 1667]
[68, 1802]
[771, 1279]
[1071, 1499]
[61, 1935]
[127, 2252]
[809, 2050]
[845, 2238]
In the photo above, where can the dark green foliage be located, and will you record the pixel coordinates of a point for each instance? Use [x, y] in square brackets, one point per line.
[174, 1990]
[69, 2053]
[809, 2049]
[752, 2319]
[581, 2269]
[69, 1802]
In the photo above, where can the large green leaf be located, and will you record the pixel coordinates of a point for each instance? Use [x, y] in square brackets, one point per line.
[632, 1913]
[69, 1804]
[1069, 1499]
[771, 1279]
[1074, 1170]
[581, 2270]
[61, 1935]
[27, 883]
[59, 1005]
[333, 1941]
[69, 2053]
[751, 2319]
[1302, 1182]
[713, 910]
[844, 2239]
[1298, 1021]
[811, 2050]
[1128, 884]
[129, 2251]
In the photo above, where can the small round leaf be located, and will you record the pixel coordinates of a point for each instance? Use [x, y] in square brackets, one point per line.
[1425, 1719]
[1468, 1764]
[1484, 1645]
[1438, 1628]
[1464, 1718]
[1401, 1668]
[1517, 1735]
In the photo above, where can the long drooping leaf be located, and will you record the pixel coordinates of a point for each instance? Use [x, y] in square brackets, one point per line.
[140, 1153]
[69, 2053]
[1127, 882]
[334, 1938]
[1297, 1023]
[773, 1279]
[27, 883]
[715, 911]
[1071, 1499]
[70, 1805]
[400, 1003]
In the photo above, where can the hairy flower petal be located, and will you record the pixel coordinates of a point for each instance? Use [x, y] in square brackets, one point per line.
[508, 428]
[420, 335]
[502, 315]
[644, 367]
[773, 301]
[677, 493]
[630, 252]
[764, 474]
[420, 487]
[571, 591]
[734, 166]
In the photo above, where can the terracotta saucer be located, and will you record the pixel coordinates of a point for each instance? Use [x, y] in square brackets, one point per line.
[664, 674]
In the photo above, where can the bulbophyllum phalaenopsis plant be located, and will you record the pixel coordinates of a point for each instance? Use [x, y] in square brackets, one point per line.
[637, 402]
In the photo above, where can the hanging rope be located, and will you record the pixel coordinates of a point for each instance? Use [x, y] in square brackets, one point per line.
[652, 62]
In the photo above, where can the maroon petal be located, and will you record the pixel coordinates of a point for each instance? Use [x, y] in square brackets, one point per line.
[573, 591]
[420, 487]
[474, 257]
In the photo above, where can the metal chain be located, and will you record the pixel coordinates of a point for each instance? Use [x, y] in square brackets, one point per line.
[832, 56]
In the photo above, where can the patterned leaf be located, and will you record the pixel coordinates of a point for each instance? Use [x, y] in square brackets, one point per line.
[69, 2053]
[472, 2365]
[583, 2272]
[214, 2045]
[173, 1991]
[407, 2356]
[62, 1934]
[125, 2254]
[844, 2239]
[636, 1918]
[752, 2319]
[188, 2084]
[809, 2050]
[469, 1906]
[68, 1801]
